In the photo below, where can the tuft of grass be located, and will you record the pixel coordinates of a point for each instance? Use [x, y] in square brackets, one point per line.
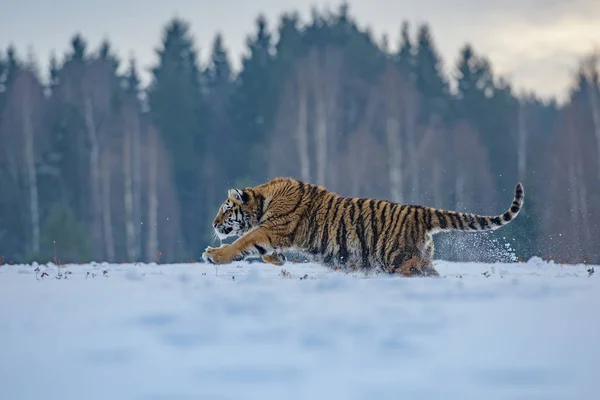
[285, 274]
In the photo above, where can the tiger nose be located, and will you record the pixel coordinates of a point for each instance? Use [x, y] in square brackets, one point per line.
[214, 224]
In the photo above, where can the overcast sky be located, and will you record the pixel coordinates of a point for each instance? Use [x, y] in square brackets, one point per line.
[535, 43]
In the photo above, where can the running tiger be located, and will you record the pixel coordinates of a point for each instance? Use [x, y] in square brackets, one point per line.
[287, 214]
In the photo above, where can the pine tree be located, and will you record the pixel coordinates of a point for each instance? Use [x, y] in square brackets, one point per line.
[8, 71]
[491, 107]
[78, 49]
[255, 94]
[105, 53]
[218, 72]
[132, 79]
[363, 62]
[10, 231]
[219, 173]
[63, 237]
[341, 26]
[3, 79]
[2, 69]
[52, 72]
[175, 98]
[218, 91]
[64, 121]
[475, 84]
[364, 59]
[175, 94]
[66, 177]
[289, 46]
[404, 59]
[429, 76]
[12, 65]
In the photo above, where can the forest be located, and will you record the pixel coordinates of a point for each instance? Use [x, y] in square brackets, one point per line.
[96, 167]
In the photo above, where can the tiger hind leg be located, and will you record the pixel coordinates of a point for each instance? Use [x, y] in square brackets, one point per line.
[427, 256]
[410, 265]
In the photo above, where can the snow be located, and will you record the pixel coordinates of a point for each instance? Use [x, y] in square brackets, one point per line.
[193, 331]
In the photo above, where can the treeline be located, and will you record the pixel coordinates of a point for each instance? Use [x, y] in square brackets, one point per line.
[96, 167]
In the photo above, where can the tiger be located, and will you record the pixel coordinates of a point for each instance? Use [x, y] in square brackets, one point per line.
[286, 214]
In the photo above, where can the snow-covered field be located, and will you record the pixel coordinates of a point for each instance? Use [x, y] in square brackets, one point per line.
[193, 331]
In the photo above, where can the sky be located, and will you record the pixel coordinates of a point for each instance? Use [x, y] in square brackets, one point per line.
[535, 44]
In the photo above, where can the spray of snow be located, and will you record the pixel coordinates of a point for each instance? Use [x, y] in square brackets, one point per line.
[471, 246]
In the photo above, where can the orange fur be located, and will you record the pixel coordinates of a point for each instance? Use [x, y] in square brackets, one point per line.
[287, 214]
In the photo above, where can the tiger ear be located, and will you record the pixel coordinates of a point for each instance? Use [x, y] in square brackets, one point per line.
[237, 195]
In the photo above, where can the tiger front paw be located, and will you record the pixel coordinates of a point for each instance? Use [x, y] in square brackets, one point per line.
[220, 255]
[277, 259]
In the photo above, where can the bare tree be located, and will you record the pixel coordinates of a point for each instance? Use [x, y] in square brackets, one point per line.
[105, 184]
[87, 86]
[99, 86]
[281, 150]
[571, 196]
[131, 165]
[361, 162]
[385, 103]
[128, 190]
[94, 166]
[31, 175]
[523, 113]
[136, 137]
[395, 102]
[169, 234]
[474, 189]
[325, 70]
[577, 180]
[432, 160]
[292, 117]
[410, 110]
[162, 224]
[302, 120]
[392, 130]
[23, 141]
[30, 157]
[565, 221]
[152, 190]
[590, 71]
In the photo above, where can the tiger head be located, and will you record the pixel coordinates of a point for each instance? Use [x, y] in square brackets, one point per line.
[238, 214]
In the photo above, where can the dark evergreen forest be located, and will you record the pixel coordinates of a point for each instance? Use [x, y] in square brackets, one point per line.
[93, 166]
